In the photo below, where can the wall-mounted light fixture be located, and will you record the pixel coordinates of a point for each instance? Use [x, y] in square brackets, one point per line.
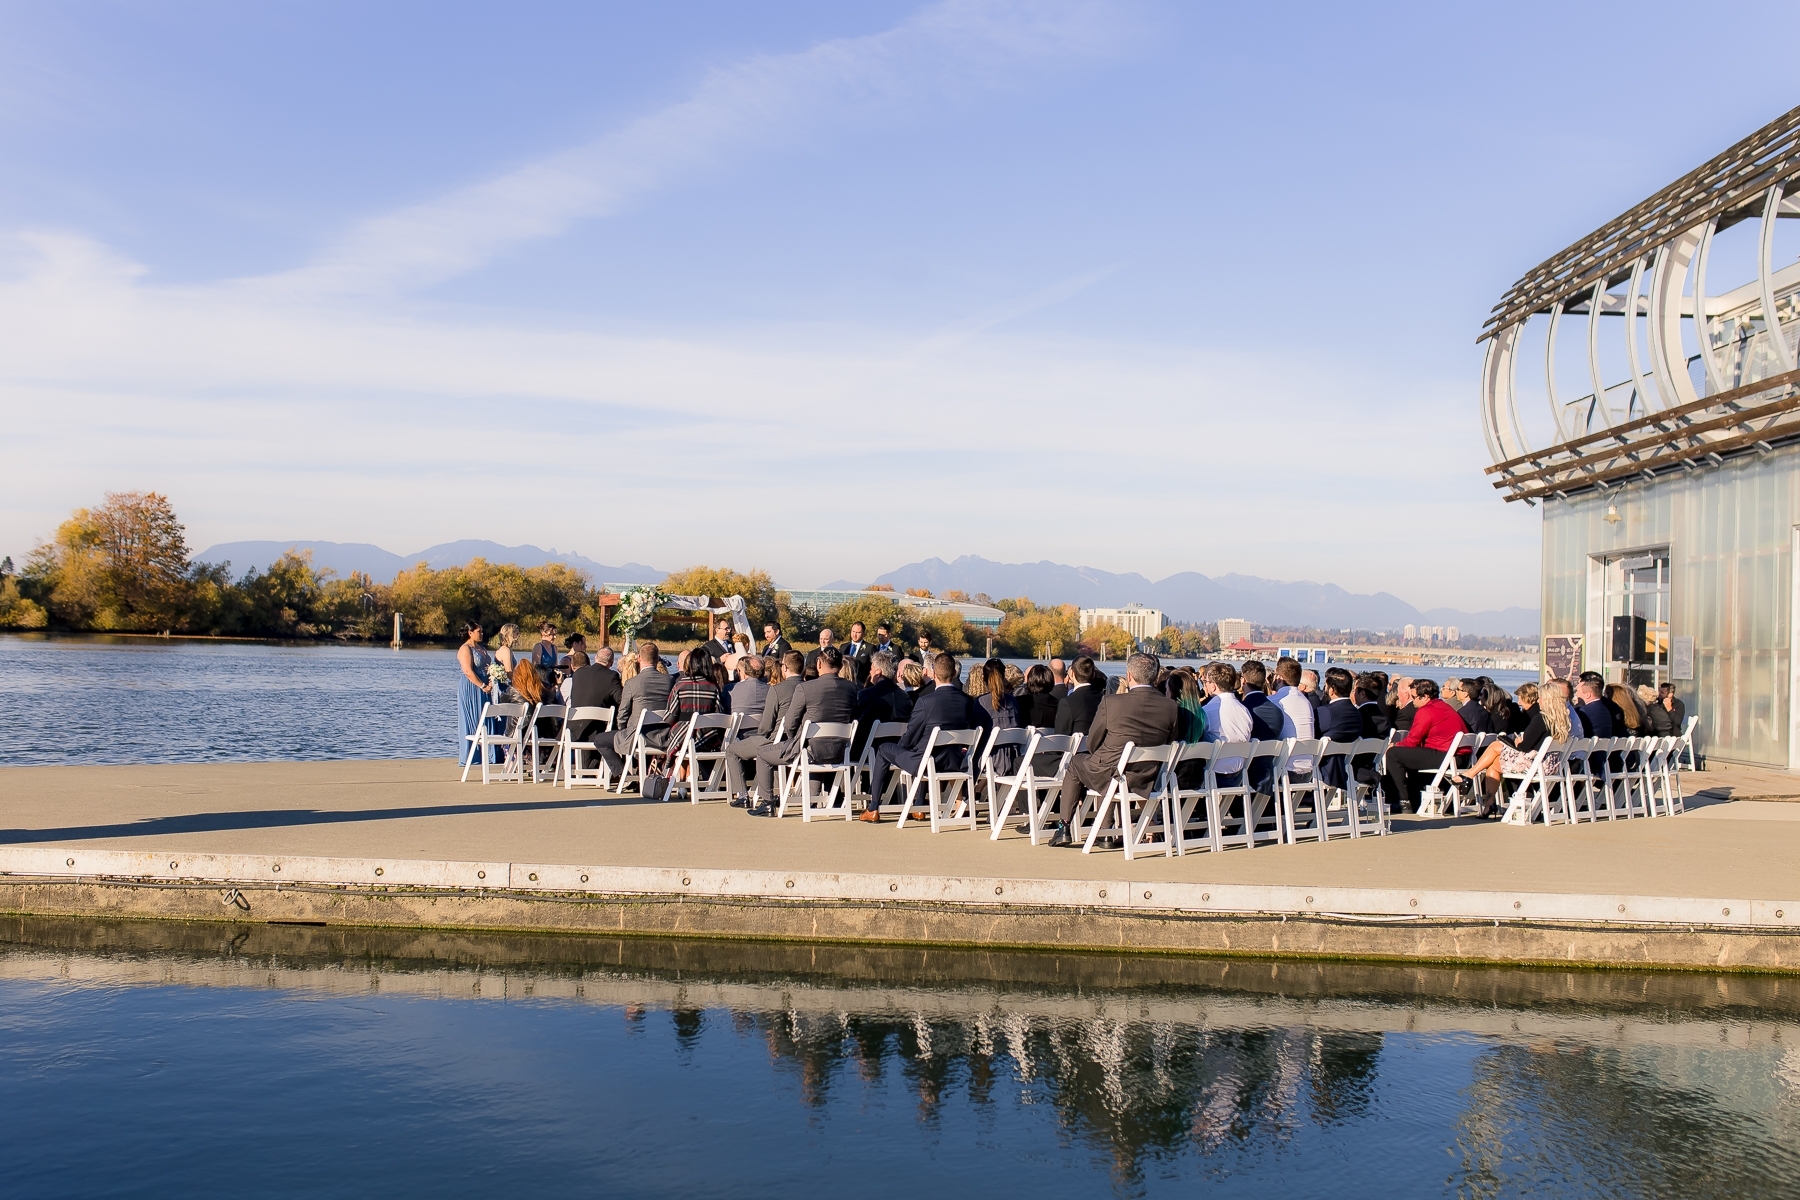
[1612, 514]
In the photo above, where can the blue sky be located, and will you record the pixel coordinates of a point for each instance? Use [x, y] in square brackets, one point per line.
[822, 288]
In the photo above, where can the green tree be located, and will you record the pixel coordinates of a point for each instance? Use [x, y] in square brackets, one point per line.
[870, 610]
[18, 612]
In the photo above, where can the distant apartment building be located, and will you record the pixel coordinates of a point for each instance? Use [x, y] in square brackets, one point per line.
[1135, 619]
[1409, 633]
[1452, 634]
[1233, 630]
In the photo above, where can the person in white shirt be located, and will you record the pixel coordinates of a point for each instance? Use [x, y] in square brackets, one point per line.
[1227, 720]
[1296, 710]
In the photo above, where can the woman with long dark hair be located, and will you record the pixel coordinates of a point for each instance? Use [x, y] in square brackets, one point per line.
[472, 661]
[1038, 704]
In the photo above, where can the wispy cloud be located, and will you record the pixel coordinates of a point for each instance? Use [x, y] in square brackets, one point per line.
[946, 49]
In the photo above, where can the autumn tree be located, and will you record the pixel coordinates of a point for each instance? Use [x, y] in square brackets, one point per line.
[761, 602]
[1115, 641]
[121, 566]
[1032, 631]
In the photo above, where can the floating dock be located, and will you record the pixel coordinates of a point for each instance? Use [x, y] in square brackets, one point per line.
[404, 845]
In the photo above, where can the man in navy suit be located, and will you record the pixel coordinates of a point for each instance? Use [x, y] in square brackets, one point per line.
[1266, 720]
[1596, 721]
[882, 700]
[1338, 720]
[945, 706]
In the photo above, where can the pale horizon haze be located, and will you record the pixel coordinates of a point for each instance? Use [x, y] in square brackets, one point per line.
[821, 288]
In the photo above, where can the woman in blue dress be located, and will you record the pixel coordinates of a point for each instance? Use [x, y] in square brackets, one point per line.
[472, 659]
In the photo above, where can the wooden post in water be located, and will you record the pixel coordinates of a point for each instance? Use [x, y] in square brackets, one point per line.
[396, 631]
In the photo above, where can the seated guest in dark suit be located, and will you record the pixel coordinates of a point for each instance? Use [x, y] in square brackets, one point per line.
[1369, 695]
[1141, 715]
[646, 691]
[829, 699]
[944, 707]
[750, 691]
[1339, 721]
[746, 748]
[882, 700]
[1468, 702]
[1039, 702]
[1265, 720]
[1591, 711]
[594, 686]
[1075, 711]
[1673, 705]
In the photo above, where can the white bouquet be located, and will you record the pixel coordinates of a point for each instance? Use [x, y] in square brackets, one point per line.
[636, 607]
[496, 674]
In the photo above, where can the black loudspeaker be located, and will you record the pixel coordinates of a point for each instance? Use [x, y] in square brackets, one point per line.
[1628, 635]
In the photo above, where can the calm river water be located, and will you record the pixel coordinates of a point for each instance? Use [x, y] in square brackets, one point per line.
[287, 1061]
[127, 700]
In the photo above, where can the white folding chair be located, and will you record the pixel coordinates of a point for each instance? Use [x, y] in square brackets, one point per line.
[509, 739]
[1626, 778]
[1541, 792]
[1332, 805]
[1368, 815]
[1242, 815]
[1442, 784]
[698, 784]
[1040, 792]
[1661, 778]
[834, 802]
[1298, 788]
[880, 733]
[638, 752]
[990, 779]
[1685, 758]
[945, 791]
[1188, 802]
[568, 751]
[544, 754]
[1129, 815]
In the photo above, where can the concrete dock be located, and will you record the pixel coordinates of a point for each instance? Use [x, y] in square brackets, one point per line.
[403, 844]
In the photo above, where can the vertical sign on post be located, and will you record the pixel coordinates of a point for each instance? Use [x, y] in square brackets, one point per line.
[1562, 656]
[1681, 658]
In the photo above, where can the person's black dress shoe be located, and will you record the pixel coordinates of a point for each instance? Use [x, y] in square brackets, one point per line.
[1061, 837]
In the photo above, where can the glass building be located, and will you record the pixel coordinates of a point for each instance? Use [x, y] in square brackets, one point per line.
[1641, 387]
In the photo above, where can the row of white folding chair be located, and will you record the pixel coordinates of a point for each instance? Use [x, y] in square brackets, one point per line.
[947, 793]
[1541, 791]
[1624, 778]
[568, 750]
[639, 752]
[1217, 815]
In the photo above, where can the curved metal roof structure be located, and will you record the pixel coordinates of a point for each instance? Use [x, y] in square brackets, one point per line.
[1707, 373]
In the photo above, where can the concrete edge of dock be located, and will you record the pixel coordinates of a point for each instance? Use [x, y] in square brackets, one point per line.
[1368, 924]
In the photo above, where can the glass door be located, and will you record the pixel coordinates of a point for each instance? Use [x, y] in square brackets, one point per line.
[1637, 618]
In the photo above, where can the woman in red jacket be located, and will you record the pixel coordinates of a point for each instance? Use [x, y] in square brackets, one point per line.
[1434, 729]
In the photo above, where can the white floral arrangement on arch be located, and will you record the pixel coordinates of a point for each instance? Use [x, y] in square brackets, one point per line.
[636, 607]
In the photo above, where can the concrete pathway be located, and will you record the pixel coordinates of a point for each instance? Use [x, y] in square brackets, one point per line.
[416, 810]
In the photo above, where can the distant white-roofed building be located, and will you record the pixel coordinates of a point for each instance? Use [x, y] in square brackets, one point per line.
[1452, 634]
[1135, 619]
[1233, 630]
[1409, 633]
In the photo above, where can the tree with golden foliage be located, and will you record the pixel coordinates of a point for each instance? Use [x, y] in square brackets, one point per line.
[1115, 640]
[121, 566]
[1028, 628]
